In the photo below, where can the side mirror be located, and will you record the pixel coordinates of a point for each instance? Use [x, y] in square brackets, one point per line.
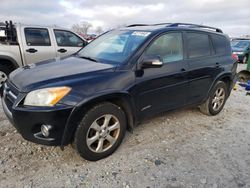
[151, 62]
[84, 43]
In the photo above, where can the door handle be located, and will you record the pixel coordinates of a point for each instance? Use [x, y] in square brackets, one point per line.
[62, 50]
[217, 65]
[31, 50]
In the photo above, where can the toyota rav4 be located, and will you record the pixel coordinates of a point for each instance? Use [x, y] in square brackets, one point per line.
[92, 97]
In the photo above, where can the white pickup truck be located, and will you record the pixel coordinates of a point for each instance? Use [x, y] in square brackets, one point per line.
[22, 44]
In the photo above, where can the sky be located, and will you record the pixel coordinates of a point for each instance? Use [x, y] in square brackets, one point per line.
[233, 17]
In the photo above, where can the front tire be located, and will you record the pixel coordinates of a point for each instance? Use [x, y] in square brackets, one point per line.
[100, 132]
[4, 73]
[216, 101]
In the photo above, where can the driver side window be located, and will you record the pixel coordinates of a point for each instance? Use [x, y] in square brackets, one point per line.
[168, 47]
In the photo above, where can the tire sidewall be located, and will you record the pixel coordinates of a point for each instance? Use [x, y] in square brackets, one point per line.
[5, 69]
[218, 85]
[91, 116]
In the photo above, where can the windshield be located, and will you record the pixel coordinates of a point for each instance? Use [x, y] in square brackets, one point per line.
[113, 47]
[240, 44]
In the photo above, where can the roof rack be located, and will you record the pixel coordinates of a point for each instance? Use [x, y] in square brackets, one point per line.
[195, 26]
[10, 35]
[179, 25]
[134, 25]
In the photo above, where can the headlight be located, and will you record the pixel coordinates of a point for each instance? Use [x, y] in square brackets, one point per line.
[46, 96]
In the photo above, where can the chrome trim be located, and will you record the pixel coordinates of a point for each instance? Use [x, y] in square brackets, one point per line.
[146, 107]
[40, 136]
[12, 95]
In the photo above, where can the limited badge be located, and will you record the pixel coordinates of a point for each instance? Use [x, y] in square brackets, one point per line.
[141, 33]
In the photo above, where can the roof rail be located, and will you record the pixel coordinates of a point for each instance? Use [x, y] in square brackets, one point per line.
[195, 26]
[179, 25]
[134, 25]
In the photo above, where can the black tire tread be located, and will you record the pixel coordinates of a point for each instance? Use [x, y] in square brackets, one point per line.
[82, 124]
[204, 108]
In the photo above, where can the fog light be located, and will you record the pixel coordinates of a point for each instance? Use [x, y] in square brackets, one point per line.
[45, 130]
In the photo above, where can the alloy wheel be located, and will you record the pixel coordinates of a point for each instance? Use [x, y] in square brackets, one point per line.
[218, 99]
[103, 133]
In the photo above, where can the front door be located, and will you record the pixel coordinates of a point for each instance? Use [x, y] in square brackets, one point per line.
[164, 88]
[67, 43]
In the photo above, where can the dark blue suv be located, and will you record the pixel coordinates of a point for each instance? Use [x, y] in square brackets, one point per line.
[91, 98]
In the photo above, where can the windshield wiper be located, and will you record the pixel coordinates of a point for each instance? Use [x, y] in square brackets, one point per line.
[89, 58]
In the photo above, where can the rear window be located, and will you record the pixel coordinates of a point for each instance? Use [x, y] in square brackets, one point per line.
[37, 37]
[240, 44]
[220, 44]
[198, 45]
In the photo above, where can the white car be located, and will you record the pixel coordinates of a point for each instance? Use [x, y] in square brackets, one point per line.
[24, 44]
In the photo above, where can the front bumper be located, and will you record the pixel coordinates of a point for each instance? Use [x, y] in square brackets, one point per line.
[28, 120]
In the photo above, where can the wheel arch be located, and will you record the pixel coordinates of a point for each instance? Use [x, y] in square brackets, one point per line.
[227, 78]
[123, 100]
[9, 61]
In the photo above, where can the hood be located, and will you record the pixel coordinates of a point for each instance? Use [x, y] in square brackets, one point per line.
[53, 71]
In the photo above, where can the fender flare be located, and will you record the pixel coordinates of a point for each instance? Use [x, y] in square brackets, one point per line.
[221, 76]
[82, 107]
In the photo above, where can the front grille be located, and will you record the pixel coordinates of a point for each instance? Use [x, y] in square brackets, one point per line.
[10, 95]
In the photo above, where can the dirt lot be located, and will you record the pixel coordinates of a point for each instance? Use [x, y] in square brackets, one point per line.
[177, 149]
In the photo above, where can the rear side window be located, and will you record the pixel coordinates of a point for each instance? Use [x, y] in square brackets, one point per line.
[37, 37]
[220, 44]
[198, 45]
[66, 38]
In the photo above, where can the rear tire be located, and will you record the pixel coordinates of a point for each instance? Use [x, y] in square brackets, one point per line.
[243, 76]
[100, 132]
[216, 101]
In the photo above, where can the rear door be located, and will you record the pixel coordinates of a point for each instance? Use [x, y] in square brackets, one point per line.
[67, 42]
[37, 45]
[203, 63]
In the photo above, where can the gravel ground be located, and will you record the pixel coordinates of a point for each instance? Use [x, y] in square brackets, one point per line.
[183, 148]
